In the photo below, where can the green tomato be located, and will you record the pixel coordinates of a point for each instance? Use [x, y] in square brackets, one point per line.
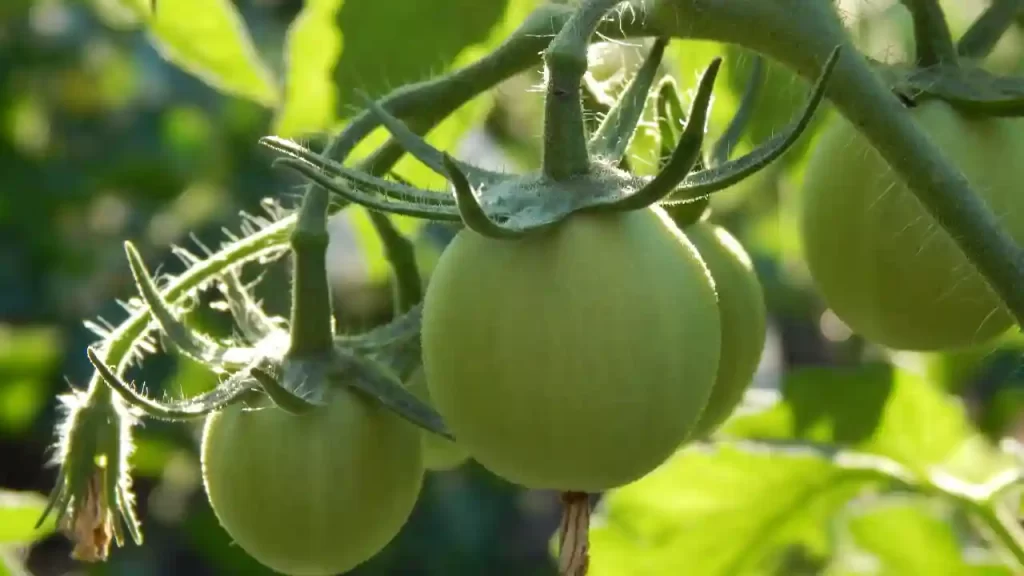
[312, 494]
[574, 360]
[743, 315]
[438, 453]
[880, 260]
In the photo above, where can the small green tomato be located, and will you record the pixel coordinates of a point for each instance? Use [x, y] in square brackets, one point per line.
[438, 453]
[881, 261]
[744, 320]
[577, 359]
[312, 494]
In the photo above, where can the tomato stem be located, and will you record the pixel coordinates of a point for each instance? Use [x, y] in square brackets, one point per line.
[407, 285]
[565, 152]
[933, 42]
[981, 38]
[312, 314]
[573, 535]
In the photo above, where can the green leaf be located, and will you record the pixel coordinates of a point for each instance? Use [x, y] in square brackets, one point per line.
[313, 46]
[878, 409]
[19, 512]
[727, 511]
[907, 535]
[208, 39]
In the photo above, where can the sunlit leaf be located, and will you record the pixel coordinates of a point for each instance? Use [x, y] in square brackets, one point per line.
[906, 535]
[209, 39]
[882, 410]
[19, 512]
[720, 512]
[313, 47]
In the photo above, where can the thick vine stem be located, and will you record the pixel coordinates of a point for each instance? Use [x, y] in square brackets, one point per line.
[933, 41]
[311, 317]
[565, 62]
[574, 535]
[981, 38]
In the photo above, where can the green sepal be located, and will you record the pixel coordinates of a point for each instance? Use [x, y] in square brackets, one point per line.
[671, 118]
[239, 388]
[685, 156]
[705, 182]
[981, 38]
[438, 213]
[689, 213]
[967, 87]
[470, 211]
[285, 396]
[189, 342]
[613, 136]
[399, 190]
[373, 379]
[401, 256]
[432, 157]
[722, 150]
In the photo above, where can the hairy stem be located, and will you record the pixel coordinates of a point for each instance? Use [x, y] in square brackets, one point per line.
[1004, 528]
[565, 61]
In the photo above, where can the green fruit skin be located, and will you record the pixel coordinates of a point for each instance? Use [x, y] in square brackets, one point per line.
[743, 314]
[577, 359]
[880, 261]
[439, 453]
[312, 494]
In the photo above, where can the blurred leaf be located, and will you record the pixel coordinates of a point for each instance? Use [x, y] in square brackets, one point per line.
[882, 410]
[11, 565]
[388, 44]
[313, 46]
[20, 403]
[905, 535]
[28, 351]
[208, 38]
[27, 356]
[719, 512]
[19, 512]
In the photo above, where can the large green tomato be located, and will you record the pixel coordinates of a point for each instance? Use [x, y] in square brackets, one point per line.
[743, 314]
[574, 360]
[438, 453]
[881, 262]
[312, 494]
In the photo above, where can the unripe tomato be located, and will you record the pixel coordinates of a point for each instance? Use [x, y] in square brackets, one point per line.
[578, 359]
[438, 453]
[312, 494]
[743, 315]
[881, 262]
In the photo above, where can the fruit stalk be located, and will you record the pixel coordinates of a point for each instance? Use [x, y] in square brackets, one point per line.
[934, 44]
[573, 535]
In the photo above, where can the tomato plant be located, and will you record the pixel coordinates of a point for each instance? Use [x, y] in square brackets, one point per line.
[572, 337]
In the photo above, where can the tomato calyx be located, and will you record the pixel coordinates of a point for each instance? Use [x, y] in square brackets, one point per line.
[290, 369]
[510, 206]
[950, 71]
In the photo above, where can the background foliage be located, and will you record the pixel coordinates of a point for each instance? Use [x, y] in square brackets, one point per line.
[115, 124]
